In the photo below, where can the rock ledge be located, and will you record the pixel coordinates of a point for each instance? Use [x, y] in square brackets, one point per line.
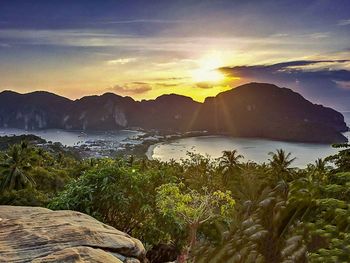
[36, 234]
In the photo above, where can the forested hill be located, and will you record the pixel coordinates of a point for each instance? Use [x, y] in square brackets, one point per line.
[251, 110]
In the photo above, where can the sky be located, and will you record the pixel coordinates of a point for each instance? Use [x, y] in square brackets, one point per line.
[144, 49]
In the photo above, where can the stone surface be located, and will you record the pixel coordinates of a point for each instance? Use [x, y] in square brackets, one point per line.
[79, 254]
[35, 234]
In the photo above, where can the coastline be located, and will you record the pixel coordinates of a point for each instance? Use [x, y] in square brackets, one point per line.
[150, 151]
[142, 145]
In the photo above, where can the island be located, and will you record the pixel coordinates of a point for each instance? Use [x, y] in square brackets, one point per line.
[258, 110]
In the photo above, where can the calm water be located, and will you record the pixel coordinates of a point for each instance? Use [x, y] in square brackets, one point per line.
[253, 149]
[74, 138]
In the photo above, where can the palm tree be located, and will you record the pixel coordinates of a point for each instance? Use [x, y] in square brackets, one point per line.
[229, 163]
[15, 168]
[261, 229]
[319, 170]
[321, 166]
[198, 170]
[280, 163]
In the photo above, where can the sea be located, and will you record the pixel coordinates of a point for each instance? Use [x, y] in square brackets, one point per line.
[256, 150]
[75, 138]
[252, 149]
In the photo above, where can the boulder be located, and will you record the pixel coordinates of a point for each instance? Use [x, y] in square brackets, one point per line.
[36, 234]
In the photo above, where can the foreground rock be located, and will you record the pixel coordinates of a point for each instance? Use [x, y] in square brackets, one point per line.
[35, 234]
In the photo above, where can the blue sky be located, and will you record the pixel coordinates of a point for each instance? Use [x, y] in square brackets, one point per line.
[147, 48]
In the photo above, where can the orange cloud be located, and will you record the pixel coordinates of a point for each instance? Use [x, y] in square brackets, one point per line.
[133, 88]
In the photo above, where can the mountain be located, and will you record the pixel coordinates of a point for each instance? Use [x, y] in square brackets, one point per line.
[267, 111]
[251, 110]
[167, 112]
[105, 112]
[36, 110]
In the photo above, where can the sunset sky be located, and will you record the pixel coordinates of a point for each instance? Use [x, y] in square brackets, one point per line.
[196, 48]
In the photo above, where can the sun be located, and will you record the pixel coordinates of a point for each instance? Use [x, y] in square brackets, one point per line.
[203, 75]
[208, 70]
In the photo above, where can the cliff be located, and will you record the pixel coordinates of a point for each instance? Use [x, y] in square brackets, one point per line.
[251, 110]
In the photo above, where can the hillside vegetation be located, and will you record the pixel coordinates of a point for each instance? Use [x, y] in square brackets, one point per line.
[199, 210]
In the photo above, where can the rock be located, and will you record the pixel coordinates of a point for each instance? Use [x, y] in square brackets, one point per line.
[36, 234]
[79, 254]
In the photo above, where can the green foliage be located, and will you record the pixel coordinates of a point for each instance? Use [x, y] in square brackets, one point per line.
[16, 167]
[191, 209]
[24, 197]
[31, 175]
[222, 210]
[120, 194]
[280, 163]
[329, 222]
[342, 158]
[263, 230]
[8, 141]
[189, 206]
[289, 215]
[230, 164]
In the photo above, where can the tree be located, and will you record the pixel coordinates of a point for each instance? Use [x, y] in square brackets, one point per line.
[328, 223]
[342, 158]
[280, 163]
[191, 209]
[264, 229]
[121, 196]
[229, 163]
[198, 170]
[319, 170]
[16, 168]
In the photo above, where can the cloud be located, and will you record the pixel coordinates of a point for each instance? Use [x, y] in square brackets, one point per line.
[120, 61]
[279, 35]
[164, 84]
[319, 35]
[322, 81]
[344, 22]
[4, 45]
[170, 78]
[204, 85]
[143, 21]
[299, 68]
[139, 83]
[133, 88]
[171, 43]
[344, 84]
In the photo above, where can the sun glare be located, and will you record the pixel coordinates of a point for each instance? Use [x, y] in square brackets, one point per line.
[203, 75]
[208, 70]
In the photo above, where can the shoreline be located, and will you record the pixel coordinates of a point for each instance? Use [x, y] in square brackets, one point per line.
[145, 146]
[150, 151]
[244, 146]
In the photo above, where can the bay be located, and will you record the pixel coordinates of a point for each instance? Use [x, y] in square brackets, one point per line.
[252, 149]
[74, 138]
